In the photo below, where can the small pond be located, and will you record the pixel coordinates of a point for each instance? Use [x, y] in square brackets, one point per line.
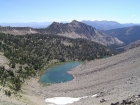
[59, 73]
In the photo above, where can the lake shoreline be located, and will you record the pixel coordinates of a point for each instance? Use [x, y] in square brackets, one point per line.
[43, 70]
[113, 79]
[59, 73]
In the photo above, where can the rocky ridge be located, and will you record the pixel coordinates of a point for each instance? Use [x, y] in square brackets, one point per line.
[73, 30]
[77, 29]
[17, 30]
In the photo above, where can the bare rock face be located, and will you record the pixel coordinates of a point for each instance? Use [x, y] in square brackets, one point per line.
[77, 29]
[73, 30]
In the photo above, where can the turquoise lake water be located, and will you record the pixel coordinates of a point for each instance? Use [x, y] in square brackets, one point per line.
[59, 73]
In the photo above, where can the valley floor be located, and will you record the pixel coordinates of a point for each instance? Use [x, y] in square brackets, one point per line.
[113, 79]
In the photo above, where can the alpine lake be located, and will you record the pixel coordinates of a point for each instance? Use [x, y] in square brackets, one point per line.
[59, 73]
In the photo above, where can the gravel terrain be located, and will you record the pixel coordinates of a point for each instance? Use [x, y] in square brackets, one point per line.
[113, 79]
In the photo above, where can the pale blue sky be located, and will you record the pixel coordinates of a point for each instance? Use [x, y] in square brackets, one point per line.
[123, 11]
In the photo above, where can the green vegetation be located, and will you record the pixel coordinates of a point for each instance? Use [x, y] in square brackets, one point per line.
[9, 79]
[115, 49]
[29, 54]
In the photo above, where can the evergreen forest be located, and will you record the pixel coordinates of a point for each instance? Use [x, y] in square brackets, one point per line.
[28, 54]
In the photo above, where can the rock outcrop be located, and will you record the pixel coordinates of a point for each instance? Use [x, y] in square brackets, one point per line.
[77, 29]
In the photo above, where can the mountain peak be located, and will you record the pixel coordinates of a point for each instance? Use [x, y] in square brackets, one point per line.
[74, 22]
[77, 29]
[55, 22]
[74, 30]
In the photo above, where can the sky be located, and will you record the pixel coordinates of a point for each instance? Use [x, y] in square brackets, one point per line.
[22, 11]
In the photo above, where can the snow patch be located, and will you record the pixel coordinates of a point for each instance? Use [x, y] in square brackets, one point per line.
[65, 100]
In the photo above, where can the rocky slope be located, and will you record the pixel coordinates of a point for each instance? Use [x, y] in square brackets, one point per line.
[77, 29]
[131, 45]
[73, 30]
[127, 34]
[113, 79]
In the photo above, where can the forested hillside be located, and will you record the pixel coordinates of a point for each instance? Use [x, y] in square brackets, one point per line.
[37, 50]
[30, 53]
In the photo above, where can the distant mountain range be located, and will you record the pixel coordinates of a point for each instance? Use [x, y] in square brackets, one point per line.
[73, 30]
[100, 25]
[127, 34]
[28, 24]
[76, 29]
[106, 25]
